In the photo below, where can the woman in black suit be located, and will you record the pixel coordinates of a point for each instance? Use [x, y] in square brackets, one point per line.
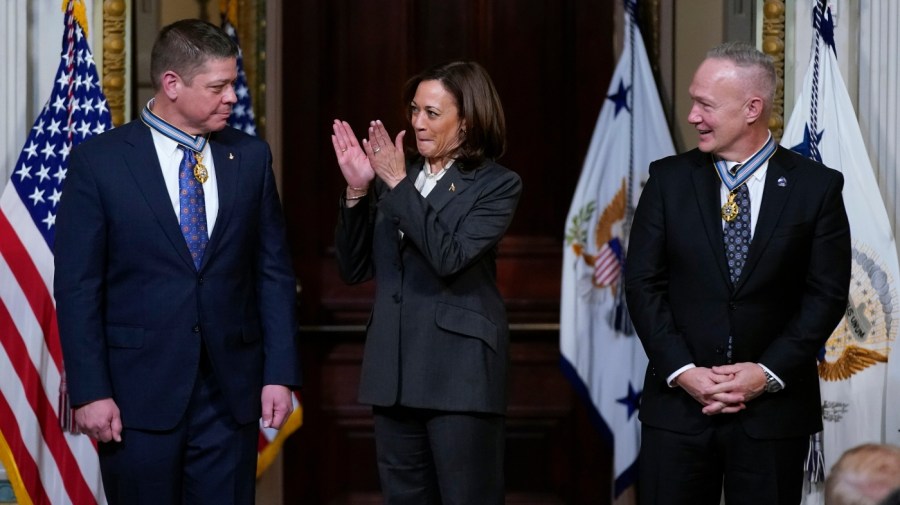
[427, 228]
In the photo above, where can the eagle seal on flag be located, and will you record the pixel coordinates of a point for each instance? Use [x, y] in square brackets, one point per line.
[864, 336]
[607, 260]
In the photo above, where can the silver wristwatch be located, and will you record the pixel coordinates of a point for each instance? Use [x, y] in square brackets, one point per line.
[772, 384]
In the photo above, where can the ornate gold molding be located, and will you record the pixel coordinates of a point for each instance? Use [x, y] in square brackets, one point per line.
[114, 58]
[773, 45]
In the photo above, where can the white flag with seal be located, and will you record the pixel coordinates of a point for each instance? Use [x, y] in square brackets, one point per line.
[858, 365]
[601, 354]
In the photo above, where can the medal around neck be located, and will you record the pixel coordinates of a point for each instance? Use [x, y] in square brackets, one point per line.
[200, 172]
[742, 174]
[730, 210]
[195, 143]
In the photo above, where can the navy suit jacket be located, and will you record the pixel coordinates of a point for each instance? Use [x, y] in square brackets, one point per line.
[132, 308]
[791, 294]
[438, 337]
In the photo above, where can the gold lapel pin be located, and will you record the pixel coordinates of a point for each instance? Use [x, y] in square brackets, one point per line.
[230, 156]
[452, 187]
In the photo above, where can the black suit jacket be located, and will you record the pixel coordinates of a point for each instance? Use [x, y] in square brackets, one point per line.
[438, 337]
[132, 308]
[791, 295]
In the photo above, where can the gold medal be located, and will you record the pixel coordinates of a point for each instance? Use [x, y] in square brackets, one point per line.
[730, 210]
[200, 172]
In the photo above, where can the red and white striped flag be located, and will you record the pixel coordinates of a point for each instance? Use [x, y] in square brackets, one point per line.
[46, 464]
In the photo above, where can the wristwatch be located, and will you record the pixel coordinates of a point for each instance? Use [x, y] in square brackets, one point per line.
[772, 384]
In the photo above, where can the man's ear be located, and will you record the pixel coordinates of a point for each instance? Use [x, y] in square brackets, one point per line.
[171, 84]
[754, 109]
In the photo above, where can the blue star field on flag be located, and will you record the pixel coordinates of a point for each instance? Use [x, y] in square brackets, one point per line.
[77, 109]
[242, 116]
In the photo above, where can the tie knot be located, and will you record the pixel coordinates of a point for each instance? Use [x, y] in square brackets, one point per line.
[188, 152]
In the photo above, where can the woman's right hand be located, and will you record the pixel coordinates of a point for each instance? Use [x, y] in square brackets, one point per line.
[351, 158]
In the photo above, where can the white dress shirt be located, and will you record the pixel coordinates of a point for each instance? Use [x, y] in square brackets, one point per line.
[170, 157]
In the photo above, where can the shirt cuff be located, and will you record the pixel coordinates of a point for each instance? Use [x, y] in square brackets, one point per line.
[777, 378]
[671, 379]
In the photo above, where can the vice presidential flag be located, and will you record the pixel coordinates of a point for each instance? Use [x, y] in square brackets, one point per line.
[46, 464]
[858, 367]
[601, 355]
[242, 118]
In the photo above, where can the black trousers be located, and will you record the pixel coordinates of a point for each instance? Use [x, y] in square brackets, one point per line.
[206, 459]
[677, 468]
[429, 457]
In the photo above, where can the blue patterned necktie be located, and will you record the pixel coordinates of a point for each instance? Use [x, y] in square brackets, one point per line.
[737, 234]
[192, 214]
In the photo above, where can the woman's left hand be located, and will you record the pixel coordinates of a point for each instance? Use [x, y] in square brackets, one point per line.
[387, 159]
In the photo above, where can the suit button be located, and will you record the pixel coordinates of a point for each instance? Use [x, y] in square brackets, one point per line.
[200, 280]
[397, 297]
[196, 328]
[732, 306]
[720, 350]
[396, 220]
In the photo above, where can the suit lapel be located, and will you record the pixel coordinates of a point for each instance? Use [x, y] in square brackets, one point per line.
[143, 164]
[227, 162]
[450, 186]
[707, 187]
[775, 196]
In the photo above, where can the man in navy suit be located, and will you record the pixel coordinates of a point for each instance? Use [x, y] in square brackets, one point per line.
[738, 270]
[174, 288]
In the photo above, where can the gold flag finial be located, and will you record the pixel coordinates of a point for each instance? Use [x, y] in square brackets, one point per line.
[79, 12]
[229, 8]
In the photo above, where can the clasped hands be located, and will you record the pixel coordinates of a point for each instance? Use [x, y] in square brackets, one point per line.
[723, 389]
[377, 156]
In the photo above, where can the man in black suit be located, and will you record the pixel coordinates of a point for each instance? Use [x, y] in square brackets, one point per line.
[174, 287]
[738, 270]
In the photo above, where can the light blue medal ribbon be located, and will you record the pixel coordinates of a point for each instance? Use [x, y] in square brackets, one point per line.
[194, 143]
[731, 181]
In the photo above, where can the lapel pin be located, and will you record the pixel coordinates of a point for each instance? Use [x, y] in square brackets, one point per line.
[230, 156]
[452, 187]
[782, 182]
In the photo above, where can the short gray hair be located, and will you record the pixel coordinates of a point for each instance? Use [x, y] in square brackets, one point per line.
[746, 56]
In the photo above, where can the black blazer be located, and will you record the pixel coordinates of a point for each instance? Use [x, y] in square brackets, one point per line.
[791, 295]
[132, 307]
[438, 337]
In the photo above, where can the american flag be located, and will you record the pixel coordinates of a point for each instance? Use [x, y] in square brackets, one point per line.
[46, 464]
[242, 118]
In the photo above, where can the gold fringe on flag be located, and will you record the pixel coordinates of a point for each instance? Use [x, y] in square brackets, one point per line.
[267, 456]
[79, 11]
[230, 9]
[12, 473]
